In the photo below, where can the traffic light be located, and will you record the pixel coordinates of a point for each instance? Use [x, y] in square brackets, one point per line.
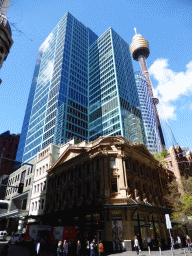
[99, 225]
[20, 188]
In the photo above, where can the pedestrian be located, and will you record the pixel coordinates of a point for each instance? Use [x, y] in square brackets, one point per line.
[87, 247]
[38, 246]
[101, 248]
[172, 244]
[65, 248]
[78, 248]
[149, 243]
[136, 245]
[188, 242]
[92, 248]
[179, 242]
[59, 248]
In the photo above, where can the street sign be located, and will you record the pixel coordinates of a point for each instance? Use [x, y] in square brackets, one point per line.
[168, 221]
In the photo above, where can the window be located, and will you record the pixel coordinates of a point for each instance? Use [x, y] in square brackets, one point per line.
[44, 187]
[35, 189]
[112, 162]
[42, 204]
[114, 185]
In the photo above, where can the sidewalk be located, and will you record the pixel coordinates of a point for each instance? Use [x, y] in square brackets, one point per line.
[155, 253]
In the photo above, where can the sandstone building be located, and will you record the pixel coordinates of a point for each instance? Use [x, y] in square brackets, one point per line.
[112, 182]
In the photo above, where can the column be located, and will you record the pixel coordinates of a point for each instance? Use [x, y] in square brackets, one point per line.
[122, 187]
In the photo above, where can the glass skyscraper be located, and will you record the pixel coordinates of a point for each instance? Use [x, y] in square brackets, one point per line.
[113, 99]
[153, 140]
[83, 86]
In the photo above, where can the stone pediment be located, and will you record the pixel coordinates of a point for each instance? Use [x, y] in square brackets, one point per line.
[68, 154]
[142, 149]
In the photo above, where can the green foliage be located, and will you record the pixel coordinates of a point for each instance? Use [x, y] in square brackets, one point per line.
[161, 156]
[181, 203]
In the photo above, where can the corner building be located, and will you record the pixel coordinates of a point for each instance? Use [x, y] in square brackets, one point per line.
[108, 180]
[82, 87]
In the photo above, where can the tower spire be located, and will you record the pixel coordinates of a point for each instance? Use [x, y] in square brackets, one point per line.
[135, 31]
[140, 51]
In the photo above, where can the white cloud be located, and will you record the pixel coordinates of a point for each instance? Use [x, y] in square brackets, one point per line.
[171, 85]
[46, 44]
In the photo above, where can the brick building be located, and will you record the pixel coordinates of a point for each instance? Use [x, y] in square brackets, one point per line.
[8, 149]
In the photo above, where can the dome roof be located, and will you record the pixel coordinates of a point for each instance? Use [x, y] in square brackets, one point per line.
[5, 23]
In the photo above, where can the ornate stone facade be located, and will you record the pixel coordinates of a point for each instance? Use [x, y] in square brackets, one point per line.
[109, 180]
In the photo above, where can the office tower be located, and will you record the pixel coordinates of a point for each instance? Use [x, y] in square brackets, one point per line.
[140, 51]
[76, 82]
[153, 140]
[5, 32]
[8, 149]
[58, 98]
[113, 99]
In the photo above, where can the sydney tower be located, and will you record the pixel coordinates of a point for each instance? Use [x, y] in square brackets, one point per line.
[140, 51]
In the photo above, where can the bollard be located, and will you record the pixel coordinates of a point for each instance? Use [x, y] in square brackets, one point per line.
[184, 252]
[149, 250]
[160, 251]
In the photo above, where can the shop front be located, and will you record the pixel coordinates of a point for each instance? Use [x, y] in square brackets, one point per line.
[136, 220]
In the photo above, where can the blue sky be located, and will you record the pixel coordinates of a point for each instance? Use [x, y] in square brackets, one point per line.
[165, 24]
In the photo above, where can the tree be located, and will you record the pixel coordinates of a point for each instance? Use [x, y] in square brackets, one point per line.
[181, 203]
[160, 156]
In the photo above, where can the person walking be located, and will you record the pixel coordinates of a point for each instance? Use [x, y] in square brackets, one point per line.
[59, 248]
[149, 244]
[65, 248]
[136, 245]
[101, 248]
[188, 242]
[78, 248]
[179, 242]
[92, 248]
[172, 244]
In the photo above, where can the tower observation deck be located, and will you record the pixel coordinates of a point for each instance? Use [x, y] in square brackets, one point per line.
[140, 51]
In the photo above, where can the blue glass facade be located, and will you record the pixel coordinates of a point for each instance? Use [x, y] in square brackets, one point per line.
[83, 86]
[153, 140]
[113, 99]
[58, 100]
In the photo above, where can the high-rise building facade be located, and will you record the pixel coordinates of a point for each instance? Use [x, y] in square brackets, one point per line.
[79, 80]
[153, 140]
[113, 99]
[5, 32]
[58, 99]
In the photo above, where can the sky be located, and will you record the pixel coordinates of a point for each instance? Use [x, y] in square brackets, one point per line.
[167, 25]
